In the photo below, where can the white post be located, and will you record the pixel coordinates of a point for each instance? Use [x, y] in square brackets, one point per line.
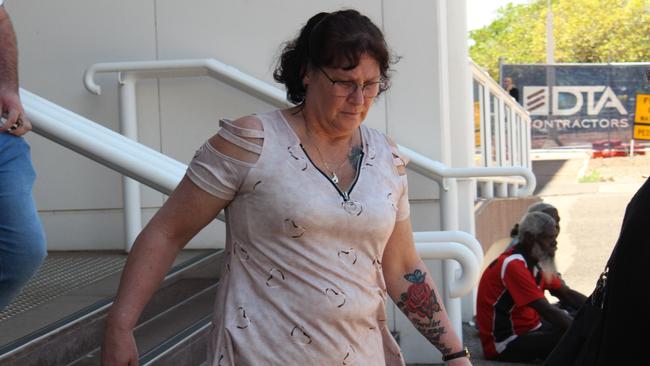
[449, 221]
[502, 143]
[502, 189]
[448, 190]
[529, 160]
[513, 190]
[514, 151]
[462, 126]
[131, 188]
[487, 189]
[631, 148]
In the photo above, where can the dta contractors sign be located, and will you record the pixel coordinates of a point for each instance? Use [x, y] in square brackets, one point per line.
[575, 105]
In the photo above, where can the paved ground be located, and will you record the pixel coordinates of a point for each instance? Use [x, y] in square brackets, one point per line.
[591, 215]
[591, 212]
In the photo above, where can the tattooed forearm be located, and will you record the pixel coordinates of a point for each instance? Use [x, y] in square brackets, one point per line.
[420, 303]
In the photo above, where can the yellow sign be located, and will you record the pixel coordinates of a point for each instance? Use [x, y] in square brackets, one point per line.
[642, 132]
[642, 110]
[477, 124]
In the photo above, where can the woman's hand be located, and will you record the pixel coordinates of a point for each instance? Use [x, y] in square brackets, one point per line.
[119, 348]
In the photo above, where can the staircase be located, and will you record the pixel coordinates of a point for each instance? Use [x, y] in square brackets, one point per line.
[172, 329]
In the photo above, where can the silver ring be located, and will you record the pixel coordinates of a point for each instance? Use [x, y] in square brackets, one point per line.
[15, 125]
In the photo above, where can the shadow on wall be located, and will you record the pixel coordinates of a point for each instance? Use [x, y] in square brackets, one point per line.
[494, 220]
[545, 170]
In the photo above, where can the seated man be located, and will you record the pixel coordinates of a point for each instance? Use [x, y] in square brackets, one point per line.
[516, 322]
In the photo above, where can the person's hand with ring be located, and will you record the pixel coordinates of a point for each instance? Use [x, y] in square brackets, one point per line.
[12, 118]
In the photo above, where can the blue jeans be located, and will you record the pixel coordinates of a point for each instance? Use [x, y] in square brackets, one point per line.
[22, 241]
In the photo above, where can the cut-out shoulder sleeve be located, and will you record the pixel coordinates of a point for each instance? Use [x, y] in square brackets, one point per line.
[221, 164]
[399, 163]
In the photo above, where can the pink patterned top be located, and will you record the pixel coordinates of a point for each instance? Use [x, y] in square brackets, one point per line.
[303, 284]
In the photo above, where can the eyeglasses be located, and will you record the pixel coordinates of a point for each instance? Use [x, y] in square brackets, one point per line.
[344, 88]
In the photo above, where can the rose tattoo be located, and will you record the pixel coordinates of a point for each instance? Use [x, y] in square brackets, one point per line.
[420, 303]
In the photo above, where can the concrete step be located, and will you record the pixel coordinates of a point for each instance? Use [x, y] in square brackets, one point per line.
[186, 348]
[185, 298]
[165, 335]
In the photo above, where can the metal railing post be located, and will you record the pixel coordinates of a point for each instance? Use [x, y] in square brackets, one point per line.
[502, 189]
[487, 189]
[130, 187]
[449, 222]
[513, 190]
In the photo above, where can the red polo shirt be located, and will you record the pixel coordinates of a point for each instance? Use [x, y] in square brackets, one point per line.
[502, 312]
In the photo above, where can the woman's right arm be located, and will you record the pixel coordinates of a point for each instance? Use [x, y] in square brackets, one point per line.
[184, 214]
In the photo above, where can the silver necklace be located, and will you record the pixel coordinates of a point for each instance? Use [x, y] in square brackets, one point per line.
[332, 172]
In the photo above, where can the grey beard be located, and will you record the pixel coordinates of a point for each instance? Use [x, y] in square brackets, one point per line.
[549, 269]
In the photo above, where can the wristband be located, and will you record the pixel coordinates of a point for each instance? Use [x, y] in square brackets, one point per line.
[452, 356]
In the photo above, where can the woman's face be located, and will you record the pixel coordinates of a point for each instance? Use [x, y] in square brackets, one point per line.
[340, 115]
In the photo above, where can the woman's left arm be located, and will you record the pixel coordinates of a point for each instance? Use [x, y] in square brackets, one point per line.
[411, 287]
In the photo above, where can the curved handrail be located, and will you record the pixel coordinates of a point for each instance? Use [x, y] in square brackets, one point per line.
[190, 67]
[451, 250]
[456, 236]
[276, 97]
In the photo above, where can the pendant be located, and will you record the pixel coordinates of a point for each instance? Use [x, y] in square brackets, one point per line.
[352, 207]
[334, 178]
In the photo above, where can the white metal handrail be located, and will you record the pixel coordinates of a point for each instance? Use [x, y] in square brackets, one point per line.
[102, 145]
[276, 97]
[484, 78]
[470, 244]
[505, 128]
[186, 68]
[456, 236]
[439, 172]
[458, 252]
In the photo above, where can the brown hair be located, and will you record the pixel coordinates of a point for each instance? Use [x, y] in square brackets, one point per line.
[338, 40]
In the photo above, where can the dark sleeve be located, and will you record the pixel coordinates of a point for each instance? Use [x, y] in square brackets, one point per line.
[514, 92]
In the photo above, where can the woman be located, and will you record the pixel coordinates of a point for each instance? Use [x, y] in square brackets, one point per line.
[317, 218]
